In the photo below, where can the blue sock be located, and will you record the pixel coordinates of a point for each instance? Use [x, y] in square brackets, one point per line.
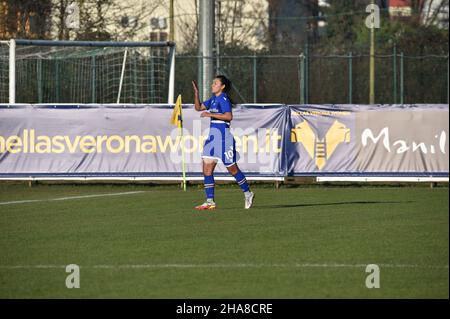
[242, 182]
[209, 186]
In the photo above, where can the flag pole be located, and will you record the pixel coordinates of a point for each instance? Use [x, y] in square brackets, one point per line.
[183, 164]
[177, 119]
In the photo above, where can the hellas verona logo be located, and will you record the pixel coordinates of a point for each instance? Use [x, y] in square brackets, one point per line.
[320, 150]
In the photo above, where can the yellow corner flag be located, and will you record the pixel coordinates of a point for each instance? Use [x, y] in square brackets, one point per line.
[177, 118]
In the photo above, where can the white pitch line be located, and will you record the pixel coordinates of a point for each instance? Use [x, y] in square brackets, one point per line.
[69, 198]
[153, 266]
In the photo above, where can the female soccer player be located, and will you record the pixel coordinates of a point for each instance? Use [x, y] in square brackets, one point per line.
[220, 144]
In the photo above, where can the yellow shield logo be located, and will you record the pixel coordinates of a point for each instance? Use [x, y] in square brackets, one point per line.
[320, 150]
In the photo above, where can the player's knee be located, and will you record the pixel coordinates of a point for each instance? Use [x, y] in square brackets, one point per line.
[233, 169]
[208, 168]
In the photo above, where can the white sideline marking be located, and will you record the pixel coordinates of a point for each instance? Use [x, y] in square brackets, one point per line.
[380, 179]
[150, 266]
[68, 198]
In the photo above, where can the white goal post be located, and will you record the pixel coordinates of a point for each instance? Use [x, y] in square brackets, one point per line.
[12, 70]
[27, 56]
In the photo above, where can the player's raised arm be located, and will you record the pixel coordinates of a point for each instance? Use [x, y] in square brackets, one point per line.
[198, 105]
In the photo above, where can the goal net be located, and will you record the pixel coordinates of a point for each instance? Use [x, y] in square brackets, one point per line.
[4, 71]
[87, 72]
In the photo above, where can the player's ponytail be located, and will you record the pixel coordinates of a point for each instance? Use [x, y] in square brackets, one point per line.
[228, 85]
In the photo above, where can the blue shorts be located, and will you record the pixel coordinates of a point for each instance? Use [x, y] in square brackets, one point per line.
[220, 144]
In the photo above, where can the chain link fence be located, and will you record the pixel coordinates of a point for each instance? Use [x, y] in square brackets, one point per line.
[291, 79]
[324, 79]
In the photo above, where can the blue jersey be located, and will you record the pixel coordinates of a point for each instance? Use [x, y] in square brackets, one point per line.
[218, 104]
[220, 144]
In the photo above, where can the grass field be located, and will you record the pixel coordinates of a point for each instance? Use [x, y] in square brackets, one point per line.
[309, 242]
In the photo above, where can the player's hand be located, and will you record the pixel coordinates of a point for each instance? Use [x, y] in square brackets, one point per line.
[195, 87]
[205, 114]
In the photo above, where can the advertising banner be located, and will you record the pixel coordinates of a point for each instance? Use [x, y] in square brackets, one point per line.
[368, 140]
[131, 140]
[271, 140]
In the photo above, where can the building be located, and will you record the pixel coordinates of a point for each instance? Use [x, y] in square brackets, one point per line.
[24, 19]
[237, 21]
[437, 13]
[244, 23]
[400, 9]
[432, 12]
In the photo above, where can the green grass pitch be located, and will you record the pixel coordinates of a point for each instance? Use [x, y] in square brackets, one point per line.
[307, 242]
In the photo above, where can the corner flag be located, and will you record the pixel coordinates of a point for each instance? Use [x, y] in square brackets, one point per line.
[177, 120]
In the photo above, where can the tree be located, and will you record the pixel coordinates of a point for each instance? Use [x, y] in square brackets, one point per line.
[239, 22]
[25, 19]
[346, 29]
[103, 19]
[292, 24]
[343, 19]
[427, 11]
[412, 35]
[186, 26]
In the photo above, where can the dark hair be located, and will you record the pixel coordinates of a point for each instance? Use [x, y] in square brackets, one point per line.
[225, 81]
[228, 85]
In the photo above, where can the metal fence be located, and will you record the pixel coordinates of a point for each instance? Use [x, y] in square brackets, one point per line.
[288, 79]
[325, 79]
